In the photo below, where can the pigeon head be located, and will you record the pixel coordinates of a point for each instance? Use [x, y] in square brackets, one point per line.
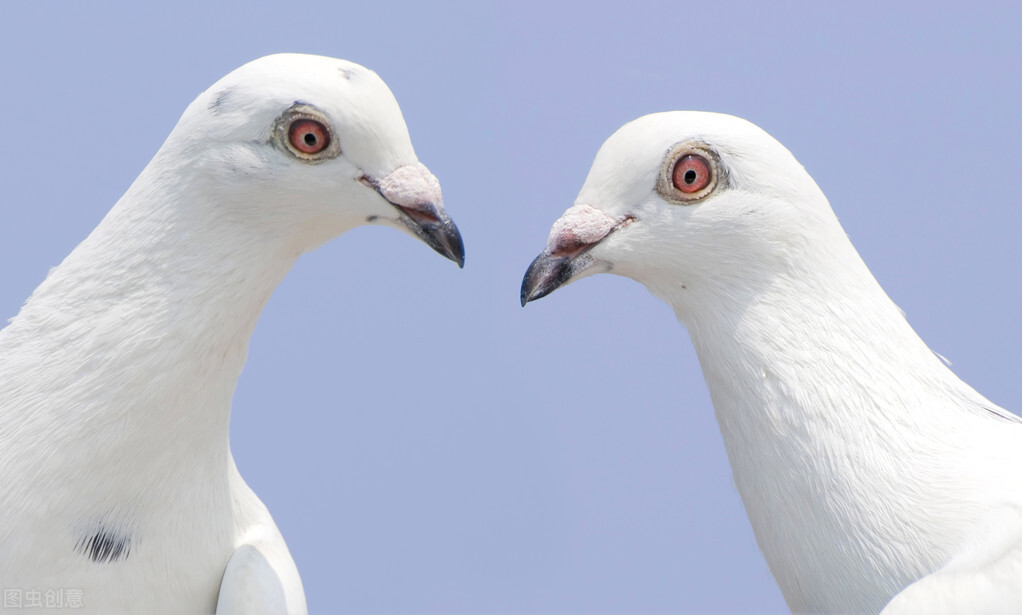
[692, 205]
[310, 146]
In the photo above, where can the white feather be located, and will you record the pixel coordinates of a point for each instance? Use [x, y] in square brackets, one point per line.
[863, 462]
[116, 377]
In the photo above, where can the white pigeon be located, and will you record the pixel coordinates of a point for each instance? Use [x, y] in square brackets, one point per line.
[118, 491]
[866, 467]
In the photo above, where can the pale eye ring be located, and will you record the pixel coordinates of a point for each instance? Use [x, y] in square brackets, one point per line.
[305, 132]
[690, 172]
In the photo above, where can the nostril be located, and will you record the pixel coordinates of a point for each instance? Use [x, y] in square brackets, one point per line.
[568, 245]
[422, 216]
[571, 242]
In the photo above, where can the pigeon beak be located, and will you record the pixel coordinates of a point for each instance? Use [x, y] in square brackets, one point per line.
[548, 272]
[432, 225]
[415, 194]
[567, 254]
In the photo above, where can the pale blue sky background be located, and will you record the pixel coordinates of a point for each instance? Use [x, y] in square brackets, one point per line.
[424, 443]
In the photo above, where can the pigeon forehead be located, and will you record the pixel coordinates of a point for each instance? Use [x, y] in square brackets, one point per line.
[273, 83]
[287, 71]
[244, 104]
[628, 163]
[662, 130]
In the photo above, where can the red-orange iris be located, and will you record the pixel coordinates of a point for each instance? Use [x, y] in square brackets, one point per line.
[309, 136]
[691, 173]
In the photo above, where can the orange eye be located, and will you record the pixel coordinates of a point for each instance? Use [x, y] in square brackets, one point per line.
[691, 173]
[308, 136]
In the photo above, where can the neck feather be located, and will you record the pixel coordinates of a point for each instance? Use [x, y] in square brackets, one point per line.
[134, 344]
[838, 422]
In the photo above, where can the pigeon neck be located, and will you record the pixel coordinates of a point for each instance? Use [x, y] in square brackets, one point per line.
[139, 336]
[823, 393]
[821, 344]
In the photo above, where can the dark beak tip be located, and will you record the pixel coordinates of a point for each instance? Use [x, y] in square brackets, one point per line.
[545, 275]
[454, 244]
[532, 294]
[454, 252]
[445, 238]
[432, 225]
